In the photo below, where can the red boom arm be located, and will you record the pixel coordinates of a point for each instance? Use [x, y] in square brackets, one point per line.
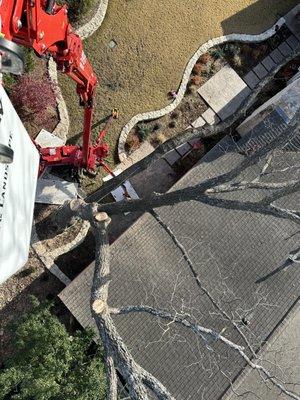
[44, 26]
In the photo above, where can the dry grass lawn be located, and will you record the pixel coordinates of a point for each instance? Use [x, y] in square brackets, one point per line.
[155, 40]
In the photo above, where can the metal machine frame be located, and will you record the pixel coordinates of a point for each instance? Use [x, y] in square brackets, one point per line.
[44, 26]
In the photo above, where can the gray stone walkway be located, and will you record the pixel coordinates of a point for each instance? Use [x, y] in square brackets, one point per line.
[224, 93]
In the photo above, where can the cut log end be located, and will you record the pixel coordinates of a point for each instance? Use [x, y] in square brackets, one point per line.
[102, 217]
[99, 306]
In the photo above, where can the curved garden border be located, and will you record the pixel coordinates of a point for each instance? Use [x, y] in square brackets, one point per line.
[182, 89]
[84, 32]
[94, 24]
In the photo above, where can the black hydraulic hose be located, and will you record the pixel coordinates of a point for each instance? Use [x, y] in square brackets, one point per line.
[6, 154]
[49, 6]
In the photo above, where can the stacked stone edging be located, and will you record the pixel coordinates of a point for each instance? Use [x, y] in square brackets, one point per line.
[94, 24]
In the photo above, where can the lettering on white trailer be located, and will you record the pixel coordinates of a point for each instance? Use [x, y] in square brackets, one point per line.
[17, 190]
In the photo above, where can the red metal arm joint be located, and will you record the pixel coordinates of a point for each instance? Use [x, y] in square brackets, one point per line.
[44, 26]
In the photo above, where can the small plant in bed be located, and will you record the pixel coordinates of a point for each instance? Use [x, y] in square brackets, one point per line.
[143, 132]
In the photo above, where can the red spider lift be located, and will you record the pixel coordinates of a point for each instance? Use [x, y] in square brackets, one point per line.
[43, 26]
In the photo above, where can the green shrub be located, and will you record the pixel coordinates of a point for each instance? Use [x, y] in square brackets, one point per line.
[9, 81]
[29, 59]
[143, 132]
[156, 127]
[217, 53]
[77, 8]
[49, 364]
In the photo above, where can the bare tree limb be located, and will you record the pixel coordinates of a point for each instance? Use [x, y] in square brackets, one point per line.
[198, 281]
[206, 332]
[112, 379]
[134, 375]
[233, 187]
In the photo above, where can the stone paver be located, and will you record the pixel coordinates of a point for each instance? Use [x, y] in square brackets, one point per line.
[268, 63]
[285, 49]
[47, 139]
[145, 149]
[293, 42]
[224, 92]
[280, 109]
[184, 148]
[251, 79]
[260, 71]
[210, 117]
[55, 191]
[198, 122]
[276, 56]
[172, 157]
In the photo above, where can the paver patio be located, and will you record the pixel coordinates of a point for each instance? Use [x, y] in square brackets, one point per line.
[224, 92]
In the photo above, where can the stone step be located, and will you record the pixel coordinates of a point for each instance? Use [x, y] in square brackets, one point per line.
[268, 63]
[210, 117]
[260, 71]
[285, 49]
[276, 56]
[251, 79]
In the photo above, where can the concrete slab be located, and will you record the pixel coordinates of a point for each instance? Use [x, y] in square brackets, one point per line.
[198, 122]
[285, 49]
[276, 56]
[292, 20]
[210, 117]
[184, 148]
[293, 42]
[119, 193]
[116, 172]
[286, 103]
[144, 150]
[55, 191]
[224, 92]
[172, 157]
[268, 63]
[47, 139]
[159, 178]
[251, 79]
[260, 71]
